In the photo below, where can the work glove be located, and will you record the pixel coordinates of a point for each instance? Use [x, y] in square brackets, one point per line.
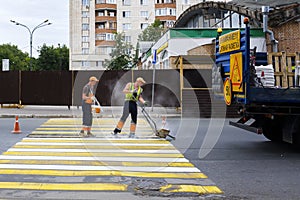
[146, 103]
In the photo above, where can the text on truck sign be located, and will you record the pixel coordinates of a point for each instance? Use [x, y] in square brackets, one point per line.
[229, 42]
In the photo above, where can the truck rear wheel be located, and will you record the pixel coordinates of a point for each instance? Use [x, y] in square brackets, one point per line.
[272, 129]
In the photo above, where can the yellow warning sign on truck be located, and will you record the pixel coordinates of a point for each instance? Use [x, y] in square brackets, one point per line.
[230, 42]
[236, 71]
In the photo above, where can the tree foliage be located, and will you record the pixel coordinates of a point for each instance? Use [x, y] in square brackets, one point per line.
[121, 54]
[50, 58]
[152, 32]
[17, 59]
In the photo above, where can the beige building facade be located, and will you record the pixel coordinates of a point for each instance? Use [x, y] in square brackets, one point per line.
[93, 24]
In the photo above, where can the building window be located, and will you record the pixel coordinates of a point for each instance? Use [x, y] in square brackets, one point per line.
[185, 2]
[144, 26]
[126, 14]
[85, 27]
[159, 12]
[110, 36]
[105, 1]
[127, 39]
[112, 25]
[144, 13]
[101, 26]
[99, 63]
[112, 14]
[100, 14]
[126, 26]
[85, 51]
[126, 2]
[144, 2]
[172, 12]
[169, 24]
[165, 12]
[85, 14]
[111, 1]
[85, 63]
[85, 38]
[85, 2]
[100, 37]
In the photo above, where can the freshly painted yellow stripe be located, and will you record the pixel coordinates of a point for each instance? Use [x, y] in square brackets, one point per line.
[125, 154]
[54, 133]
[94, 125]
[98, 163]
[107, 133]
[85, 140]
[191, 189]
[213, 189]
[103, 173]
[79, 128]
[64, 186]
[95, 121]
[94, 147]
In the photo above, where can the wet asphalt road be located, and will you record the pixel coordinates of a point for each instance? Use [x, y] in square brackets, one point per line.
[245, 165]
[242, 164]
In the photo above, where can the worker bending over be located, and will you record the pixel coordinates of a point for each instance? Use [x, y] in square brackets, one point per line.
[133, 94]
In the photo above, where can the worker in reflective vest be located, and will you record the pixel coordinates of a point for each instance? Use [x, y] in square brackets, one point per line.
[133, 94]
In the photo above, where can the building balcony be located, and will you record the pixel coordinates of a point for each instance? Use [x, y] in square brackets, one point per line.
[104, 43]
[166, 18]
[106, 18]
[104, 6]
[165, 5]
[103, 30]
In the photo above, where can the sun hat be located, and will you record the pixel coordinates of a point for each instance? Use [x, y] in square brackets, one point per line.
[140, 79]
[93, 78]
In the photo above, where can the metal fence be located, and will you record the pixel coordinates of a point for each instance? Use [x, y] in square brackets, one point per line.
[65, 88]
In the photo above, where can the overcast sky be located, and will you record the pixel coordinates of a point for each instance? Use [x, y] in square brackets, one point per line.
[31, 13]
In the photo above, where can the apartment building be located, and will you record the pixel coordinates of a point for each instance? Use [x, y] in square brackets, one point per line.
[93, 24]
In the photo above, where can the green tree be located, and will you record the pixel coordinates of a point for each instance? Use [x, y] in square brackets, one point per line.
[17, 59]
[121, 54]
[51, 58]
[152, 32]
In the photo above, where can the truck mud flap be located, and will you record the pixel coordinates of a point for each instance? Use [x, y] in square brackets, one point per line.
[248, 124]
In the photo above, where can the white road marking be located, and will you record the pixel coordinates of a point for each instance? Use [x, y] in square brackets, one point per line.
[95, 158]
[100, 168]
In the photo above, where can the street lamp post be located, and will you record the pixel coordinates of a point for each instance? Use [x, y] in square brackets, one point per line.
[44, 23]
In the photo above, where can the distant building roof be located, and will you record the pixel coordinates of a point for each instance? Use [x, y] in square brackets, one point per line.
[257, 4]
[280, 13]
[145, 45]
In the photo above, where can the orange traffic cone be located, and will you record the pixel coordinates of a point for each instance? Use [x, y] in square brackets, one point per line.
[17, 126]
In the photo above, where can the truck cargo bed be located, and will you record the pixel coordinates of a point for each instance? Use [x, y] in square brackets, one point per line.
[274, 95]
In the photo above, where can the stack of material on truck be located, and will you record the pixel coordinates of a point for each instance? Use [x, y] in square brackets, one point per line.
[266, 75]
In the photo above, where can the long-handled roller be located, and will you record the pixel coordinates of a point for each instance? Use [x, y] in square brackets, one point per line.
[162, 133]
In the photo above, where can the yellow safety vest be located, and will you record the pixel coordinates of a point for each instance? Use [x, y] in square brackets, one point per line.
[130, 97]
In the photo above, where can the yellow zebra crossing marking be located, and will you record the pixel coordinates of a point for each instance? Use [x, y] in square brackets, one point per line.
[66, 173]
[97, 163]
[61, 186]
[101, 128]
[102, 157]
